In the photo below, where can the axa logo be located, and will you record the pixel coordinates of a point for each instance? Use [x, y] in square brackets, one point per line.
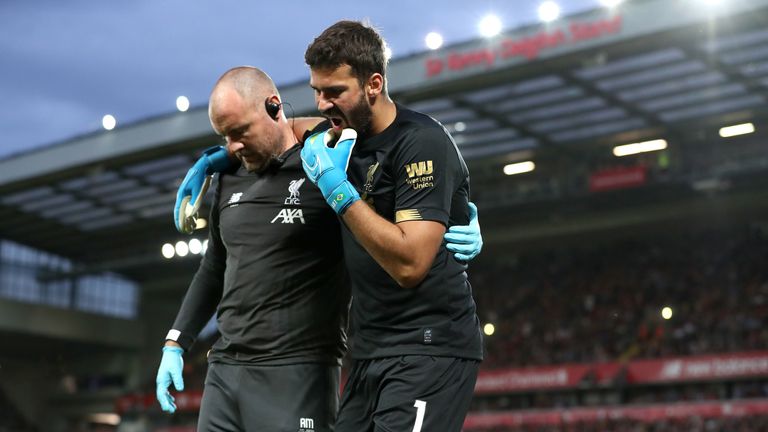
[289, 216]
[235, 197]
[293, 190]
[306, 425]
[417, 169]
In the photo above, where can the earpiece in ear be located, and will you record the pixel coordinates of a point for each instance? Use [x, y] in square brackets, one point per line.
[273, 109]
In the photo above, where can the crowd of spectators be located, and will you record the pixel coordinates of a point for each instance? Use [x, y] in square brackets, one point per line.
[603, 302]
[693, 424]
[619, 395]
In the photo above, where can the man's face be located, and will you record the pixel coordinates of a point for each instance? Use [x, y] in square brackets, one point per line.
[341, 99]
[249, 132]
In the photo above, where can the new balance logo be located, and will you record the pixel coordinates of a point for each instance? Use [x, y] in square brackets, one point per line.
[288, 216]
[235, 197]
[306, 425]
[293, 189]
[419, 168]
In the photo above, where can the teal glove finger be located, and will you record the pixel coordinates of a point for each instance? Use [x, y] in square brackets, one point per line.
[342, 150]
[459, 239]
[192, 189]
[314, 158]
[462, 246]
[170, 371]
[465, 241]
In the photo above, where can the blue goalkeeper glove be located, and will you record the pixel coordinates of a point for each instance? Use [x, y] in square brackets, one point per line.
[465, 241]
[327, 167]
[169, 371]
[192, 189]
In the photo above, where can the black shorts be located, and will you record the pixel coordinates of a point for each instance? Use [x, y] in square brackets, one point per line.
[290, 398]
[411, 393]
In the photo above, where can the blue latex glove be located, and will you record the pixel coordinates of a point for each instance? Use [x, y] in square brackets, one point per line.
[169, 371]
[327, 167]
[465, 241]
[190, 195]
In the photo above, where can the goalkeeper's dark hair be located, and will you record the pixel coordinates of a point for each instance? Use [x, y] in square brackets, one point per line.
[349, 42]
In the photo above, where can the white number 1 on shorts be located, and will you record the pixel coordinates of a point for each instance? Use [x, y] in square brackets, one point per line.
[421, 406]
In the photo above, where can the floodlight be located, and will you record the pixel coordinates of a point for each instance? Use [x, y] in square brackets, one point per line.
[109, 122]
[519, 168]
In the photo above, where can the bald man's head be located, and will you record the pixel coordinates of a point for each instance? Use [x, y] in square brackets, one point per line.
[237, 110]
[252, 84]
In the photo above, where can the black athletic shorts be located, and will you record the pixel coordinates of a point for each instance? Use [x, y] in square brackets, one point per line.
[411, 393]
[290, 398]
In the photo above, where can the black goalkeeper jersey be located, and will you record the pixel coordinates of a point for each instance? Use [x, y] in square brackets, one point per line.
[274, 266]
[411, 171]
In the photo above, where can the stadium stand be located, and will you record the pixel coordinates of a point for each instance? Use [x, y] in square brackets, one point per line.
[581, 254]
[592, 305]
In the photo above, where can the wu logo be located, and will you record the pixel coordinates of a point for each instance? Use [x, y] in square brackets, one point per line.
[293, 189]
[235, 197]
[289, 215]
[306, 425]
[417, 169]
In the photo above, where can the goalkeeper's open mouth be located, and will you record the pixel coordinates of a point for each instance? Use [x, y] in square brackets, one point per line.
[337, 123]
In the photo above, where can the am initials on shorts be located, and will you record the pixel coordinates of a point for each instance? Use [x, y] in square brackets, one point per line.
[306, 424]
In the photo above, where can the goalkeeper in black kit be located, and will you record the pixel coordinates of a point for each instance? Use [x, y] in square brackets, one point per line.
[273, 273]
[397, 180]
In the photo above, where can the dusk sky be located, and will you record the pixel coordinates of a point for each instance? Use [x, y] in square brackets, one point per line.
[65, 64]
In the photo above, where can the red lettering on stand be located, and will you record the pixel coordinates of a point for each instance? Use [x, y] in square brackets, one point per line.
[529, 47]
[459, 61]
[583, 31]
[434, 67]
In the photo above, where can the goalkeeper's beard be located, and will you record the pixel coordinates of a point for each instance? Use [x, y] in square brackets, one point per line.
[359, 117]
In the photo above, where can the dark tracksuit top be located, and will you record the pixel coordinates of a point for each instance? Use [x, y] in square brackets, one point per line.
[273, 271]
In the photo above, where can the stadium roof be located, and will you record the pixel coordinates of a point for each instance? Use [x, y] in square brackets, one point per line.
[648, 69]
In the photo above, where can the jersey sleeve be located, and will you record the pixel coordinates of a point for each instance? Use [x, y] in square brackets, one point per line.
[427, 172]
[205, 290]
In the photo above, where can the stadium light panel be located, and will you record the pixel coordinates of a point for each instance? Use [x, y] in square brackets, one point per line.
[489, 26]
[666, 312]
[108, 122]
[549, 11]
[489, 329]
[641, 147]
[195, 246]
[182, 248]
[168, 251]
[111, 419]
[433, 40]
[735, 130]
[519, 168]
[182, 103]
[460, 127]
